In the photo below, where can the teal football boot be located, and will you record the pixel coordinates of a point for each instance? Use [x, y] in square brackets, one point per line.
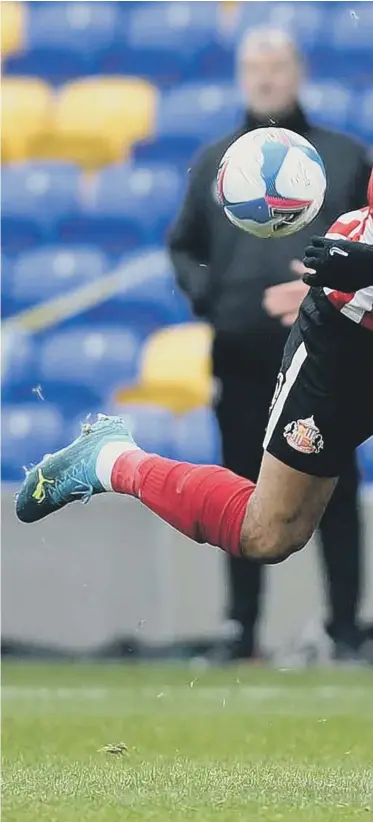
[69, 474]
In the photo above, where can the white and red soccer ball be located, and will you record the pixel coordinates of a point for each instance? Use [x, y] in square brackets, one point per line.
[271, 182]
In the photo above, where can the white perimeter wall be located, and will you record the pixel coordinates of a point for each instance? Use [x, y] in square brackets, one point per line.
[92, 573]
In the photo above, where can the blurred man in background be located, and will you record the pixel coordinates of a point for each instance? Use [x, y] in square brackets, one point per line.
[250, 290]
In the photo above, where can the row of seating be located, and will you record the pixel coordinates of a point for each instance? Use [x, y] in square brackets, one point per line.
[122, 208]
[97, 121]
[139, 292]
[91, 121]
[32, 429]
[79, 367]
[170, 41]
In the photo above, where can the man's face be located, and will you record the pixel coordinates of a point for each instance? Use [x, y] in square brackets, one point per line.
[270, 78]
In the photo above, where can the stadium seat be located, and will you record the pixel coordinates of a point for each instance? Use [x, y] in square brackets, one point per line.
[303, 22]
[150, 298]
[29, 431]
[12, 27]
[145, 296]
[97, 120]
[64, 40]
[34, 197]
[197, 438]
[18, 366]
[242, 16]
[163, 68]
[55, 66]
[78, 368]
[150, 425]
[177, 150]
[328, 104]
[84, 27]
[175, 369]
[365, 458]
[6, 285]
[45, 273]
[205, 111]
[26, 111]
[176, 25]
[215, 61]
[352, 31]
[130, 205]
[350, 42]
[164, 39]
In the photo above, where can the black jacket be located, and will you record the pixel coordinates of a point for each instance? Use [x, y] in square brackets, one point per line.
[223, 270]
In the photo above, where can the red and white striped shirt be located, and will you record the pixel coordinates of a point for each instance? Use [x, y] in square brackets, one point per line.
[358, 306]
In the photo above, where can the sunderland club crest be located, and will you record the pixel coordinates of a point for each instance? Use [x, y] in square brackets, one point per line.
[304, 436]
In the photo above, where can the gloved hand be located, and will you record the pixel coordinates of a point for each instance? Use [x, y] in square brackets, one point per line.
[343, 265]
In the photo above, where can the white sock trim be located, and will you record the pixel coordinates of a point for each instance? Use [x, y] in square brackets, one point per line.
[107, 458]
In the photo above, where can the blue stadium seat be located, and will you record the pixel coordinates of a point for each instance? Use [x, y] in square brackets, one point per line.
[304, 22]
[151, 298]
[34, 197]
[173, 42]
[197, 438]
[28, 432]
[146, 297]
[18, 366]
[55, 65]
[163, 68]
[178, 150]
[83, 27]
[328, 104]
[80, 367]
[352, 30]
[215, 62]
[365, 457]
[6, 285]
[151, 426]
[66, 40]
[176, 26]
[45, 273]
[350, 42]
[201, 110]
[132, 205]
[164, 39]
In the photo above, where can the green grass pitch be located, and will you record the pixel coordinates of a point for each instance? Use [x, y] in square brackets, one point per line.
[239, 745]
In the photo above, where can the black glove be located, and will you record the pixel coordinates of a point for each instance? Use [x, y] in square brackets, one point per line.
[343, 265]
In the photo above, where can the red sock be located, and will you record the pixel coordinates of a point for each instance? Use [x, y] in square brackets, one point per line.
[204, 502]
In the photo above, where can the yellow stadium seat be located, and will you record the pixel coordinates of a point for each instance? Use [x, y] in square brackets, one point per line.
[27, 106]
[97, 120]
[12, 27]
[175, 369]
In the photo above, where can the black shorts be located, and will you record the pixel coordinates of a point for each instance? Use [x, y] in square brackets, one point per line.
[322, 407]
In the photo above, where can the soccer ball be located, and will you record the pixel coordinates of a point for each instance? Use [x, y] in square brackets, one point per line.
[271, 182]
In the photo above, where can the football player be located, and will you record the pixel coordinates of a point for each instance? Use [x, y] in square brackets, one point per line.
[321, 411]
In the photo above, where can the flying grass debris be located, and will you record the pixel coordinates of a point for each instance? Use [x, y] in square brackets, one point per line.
[117, 750]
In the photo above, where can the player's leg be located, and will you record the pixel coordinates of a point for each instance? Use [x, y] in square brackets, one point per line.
[284, 511]
[208, 503]
[321, 411]
[211, 504]
[298, 473]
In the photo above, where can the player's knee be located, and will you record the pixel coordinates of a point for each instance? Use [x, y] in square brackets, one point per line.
[272, 545]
